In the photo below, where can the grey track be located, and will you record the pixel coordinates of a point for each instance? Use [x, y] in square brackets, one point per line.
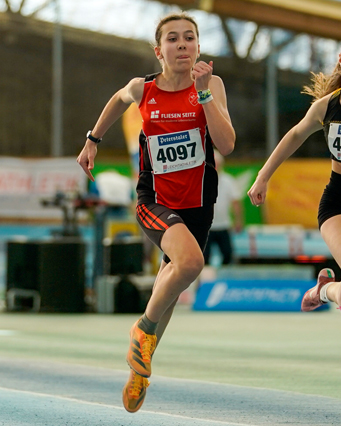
[58, 394]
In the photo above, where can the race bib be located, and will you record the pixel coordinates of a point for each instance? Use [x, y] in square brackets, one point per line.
[173, 152]
[334, 139]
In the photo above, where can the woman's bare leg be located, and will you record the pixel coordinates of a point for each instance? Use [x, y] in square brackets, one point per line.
[168, 314]
[186, 264]
[331, 233]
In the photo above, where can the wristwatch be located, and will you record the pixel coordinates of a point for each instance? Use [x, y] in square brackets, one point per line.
[92, 138]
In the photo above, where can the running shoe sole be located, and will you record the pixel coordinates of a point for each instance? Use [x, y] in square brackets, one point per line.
[311, 299]
[134, 392]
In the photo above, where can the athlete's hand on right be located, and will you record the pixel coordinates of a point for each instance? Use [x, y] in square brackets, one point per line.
[257, 192]
[202, 74]
[86, 158]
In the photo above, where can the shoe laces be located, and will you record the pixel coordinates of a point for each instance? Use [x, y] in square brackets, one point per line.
[137, 383]
[148, 346]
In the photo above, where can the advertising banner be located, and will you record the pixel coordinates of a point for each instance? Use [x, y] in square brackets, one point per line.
[294, 192]
[25, 182]
[252, 295]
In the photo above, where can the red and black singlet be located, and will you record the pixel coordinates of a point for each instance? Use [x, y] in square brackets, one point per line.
[177, 167]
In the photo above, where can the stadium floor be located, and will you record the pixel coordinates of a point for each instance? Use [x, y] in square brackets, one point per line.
[210, 369]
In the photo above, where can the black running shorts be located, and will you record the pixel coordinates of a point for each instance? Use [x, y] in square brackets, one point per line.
[330, 204]
[155, 219]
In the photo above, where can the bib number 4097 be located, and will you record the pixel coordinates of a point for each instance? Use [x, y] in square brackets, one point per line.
[337, 144]
[181, 152]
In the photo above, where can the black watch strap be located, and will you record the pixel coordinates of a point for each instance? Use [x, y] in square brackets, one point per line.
[92, 138]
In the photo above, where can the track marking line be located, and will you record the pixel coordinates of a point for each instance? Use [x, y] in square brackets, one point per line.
[8, 332]
[258, 388]
[116, 407]
[156, 376]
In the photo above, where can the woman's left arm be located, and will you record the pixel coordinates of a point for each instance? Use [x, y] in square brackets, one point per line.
[216, 112]
[218, 118]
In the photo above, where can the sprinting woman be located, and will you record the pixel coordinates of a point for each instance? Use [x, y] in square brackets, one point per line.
[324, 113]
[184, 113]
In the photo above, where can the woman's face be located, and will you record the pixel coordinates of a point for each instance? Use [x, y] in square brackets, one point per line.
[179, 48]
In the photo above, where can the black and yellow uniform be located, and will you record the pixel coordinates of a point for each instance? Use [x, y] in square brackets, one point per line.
[330, 204]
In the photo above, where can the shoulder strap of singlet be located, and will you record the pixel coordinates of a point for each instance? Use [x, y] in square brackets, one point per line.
[335, 94]
[333, 100]
[150, 77]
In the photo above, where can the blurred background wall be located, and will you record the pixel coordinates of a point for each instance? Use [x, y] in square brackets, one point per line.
[62, 60]
[96, 64]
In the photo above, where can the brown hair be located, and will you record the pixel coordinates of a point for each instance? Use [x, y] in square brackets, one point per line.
[323, 84]
[173, 17]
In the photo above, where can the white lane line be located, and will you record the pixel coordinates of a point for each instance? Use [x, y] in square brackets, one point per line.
[8, 332]
[116, 407]
[251, 388]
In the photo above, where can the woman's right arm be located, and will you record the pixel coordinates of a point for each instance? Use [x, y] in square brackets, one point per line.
[287, 146]
[116, 106]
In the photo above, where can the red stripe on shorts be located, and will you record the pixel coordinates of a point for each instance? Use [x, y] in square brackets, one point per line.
[147, 222]
[154, 220]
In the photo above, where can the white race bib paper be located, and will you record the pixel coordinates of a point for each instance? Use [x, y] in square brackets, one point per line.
[334, 139]
[173, 152]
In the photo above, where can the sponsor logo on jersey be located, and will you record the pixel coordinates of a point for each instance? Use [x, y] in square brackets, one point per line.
[152, 101]
[173, 138]
[339, 130]
[178, 115]
[155, 114]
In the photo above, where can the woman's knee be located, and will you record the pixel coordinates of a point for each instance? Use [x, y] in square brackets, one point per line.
[190, 265]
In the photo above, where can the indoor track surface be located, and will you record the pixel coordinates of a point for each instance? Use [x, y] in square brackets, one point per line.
[225, 369]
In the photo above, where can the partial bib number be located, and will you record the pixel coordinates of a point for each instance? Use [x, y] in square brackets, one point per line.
[334, 139]
[172, 152]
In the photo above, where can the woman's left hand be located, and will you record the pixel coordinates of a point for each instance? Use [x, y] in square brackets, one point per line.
[202, 74]
[257, 192]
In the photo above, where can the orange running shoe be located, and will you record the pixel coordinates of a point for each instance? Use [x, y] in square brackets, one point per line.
[311, 299]
[141, 349]
[134, 392]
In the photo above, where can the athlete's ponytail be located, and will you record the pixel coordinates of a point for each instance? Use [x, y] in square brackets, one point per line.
[323, 84]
